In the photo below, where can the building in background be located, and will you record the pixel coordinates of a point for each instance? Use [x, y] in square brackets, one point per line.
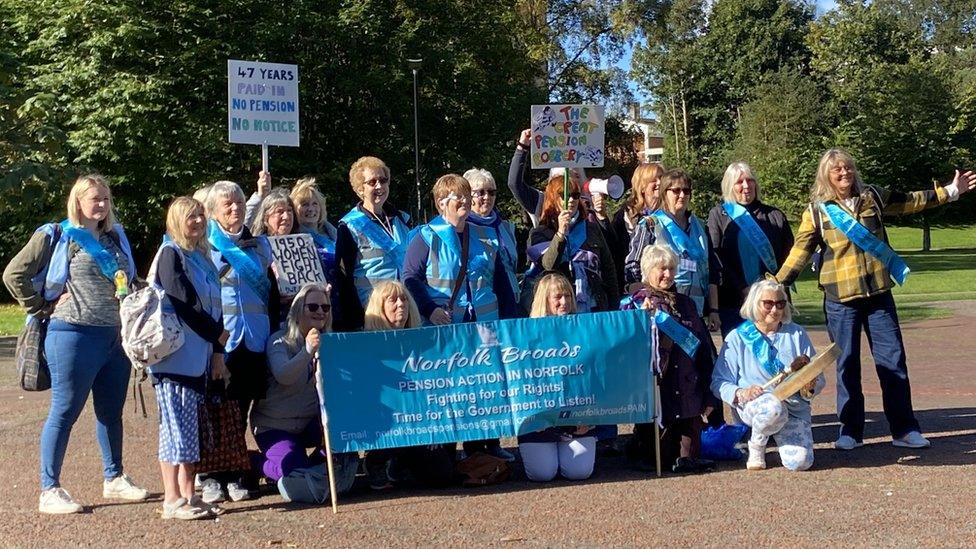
[649, 145]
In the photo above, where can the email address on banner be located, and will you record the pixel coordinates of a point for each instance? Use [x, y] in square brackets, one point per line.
[590, 412]
[440, 429]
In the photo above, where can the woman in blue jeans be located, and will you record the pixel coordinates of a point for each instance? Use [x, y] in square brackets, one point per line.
[857, 271]
[75, 273]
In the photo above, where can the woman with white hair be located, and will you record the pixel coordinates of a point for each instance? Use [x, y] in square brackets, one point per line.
[749, 237]
[72, 275]
[857, 272]
[684, 367]
[758, 350]
[501, 232]
[250, 299]
[288, 421]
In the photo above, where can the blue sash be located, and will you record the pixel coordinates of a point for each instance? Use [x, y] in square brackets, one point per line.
[753, 243]
[863, 239]
[376, 235]
[321, 240]
[682, 241]
[107, 263]
[681, 336]
[246, 267]
[577, 237]
[760, 347]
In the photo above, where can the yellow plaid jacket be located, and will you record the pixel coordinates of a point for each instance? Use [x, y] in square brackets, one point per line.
[847, 271]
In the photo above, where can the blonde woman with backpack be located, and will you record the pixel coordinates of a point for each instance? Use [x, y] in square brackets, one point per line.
[75, 273]
[183, 270]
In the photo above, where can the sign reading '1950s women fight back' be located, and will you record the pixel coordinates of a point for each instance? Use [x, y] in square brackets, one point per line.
[262, 103]
[485, 380]
[570, 136]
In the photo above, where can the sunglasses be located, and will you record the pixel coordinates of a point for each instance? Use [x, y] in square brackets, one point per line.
[575, 196]
[484, 192]
[314, 307]
[768, 304]
[377, 181]
[681, 190]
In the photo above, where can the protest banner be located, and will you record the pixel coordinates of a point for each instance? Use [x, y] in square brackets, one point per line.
[262, 105]
[296, 262]
[485, 380]
[570, 136]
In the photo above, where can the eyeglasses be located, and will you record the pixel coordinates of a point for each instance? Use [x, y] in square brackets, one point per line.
[841, 169]
[575, 196]
[484, 192]
[377, 181]
[742, 182]
[314, 307]
[768, 304]
[681, 190]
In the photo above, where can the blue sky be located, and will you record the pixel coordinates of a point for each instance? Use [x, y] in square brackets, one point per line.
[823, 6]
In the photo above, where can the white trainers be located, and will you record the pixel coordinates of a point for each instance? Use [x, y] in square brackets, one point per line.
[213, 510]
[181, 510]
[847, 443]
[913, 439]
[122, 487]
[57, 501]
[757, 458]
[211, 492]
[237, 492]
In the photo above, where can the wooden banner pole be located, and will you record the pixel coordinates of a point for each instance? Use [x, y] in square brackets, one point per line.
[333, 495]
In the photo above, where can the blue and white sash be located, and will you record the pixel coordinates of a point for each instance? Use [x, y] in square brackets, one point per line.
[107, 263]
[683, 242]
[863, 239]
[246, 267]
[321, 241]
[761, 349]
[682, 337]
[753, 243]
[365, 226]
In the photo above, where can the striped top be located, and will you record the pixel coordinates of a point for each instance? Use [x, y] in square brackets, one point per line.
[91, 297]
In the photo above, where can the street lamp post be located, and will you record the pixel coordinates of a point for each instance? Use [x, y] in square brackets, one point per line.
[414, 65]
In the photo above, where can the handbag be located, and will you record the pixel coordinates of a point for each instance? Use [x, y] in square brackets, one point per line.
[222, 444]
[32, 368]
[151, 331]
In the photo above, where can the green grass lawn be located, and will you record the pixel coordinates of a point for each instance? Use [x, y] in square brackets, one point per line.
[946, 273]
[11, 320]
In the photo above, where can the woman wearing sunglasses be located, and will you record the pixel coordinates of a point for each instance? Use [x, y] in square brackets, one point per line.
[288, 420]
[677, 228]
[567, 243]
[754, 353]
[501, 231]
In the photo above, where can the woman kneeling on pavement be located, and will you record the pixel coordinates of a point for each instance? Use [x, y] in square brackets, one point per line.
[184, 271]
[288, 420]
[568, 451]
[754, 353]
[684, 367]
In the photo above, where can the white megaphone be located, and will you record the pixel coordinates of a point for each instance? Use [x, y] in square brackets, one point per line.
[613, 187]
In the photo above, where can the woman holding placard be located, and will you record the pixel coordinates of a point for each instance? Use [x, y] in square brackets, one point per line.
[698, 272]
[311, 217]
[756, 351]
[249, 294]
[276, 215]
[371, 241]
[567, 243]
[288, 420]
[844, 222]
[530, 198]
[684, 368]
[74, 273]
[749, 238]
[566, 451]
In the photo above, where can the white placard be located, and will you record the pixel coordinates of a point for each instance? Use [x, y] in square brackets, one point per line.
[570, 136]
[262, 103]
[296, 263]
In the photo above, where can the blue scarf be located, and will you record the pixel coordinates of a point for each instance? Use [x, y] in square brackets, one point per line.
[684, 243]
[682, 337]
[753, 243]
[107, 263]
[863, 239]
[246, 267]
[761, 348]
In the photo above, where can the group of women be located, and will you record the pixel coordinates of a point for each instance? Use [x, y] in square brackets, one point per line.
[215, 265]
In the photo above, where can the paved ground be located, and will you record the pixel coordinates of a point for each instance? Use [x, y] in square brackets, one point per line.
[877, 495]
